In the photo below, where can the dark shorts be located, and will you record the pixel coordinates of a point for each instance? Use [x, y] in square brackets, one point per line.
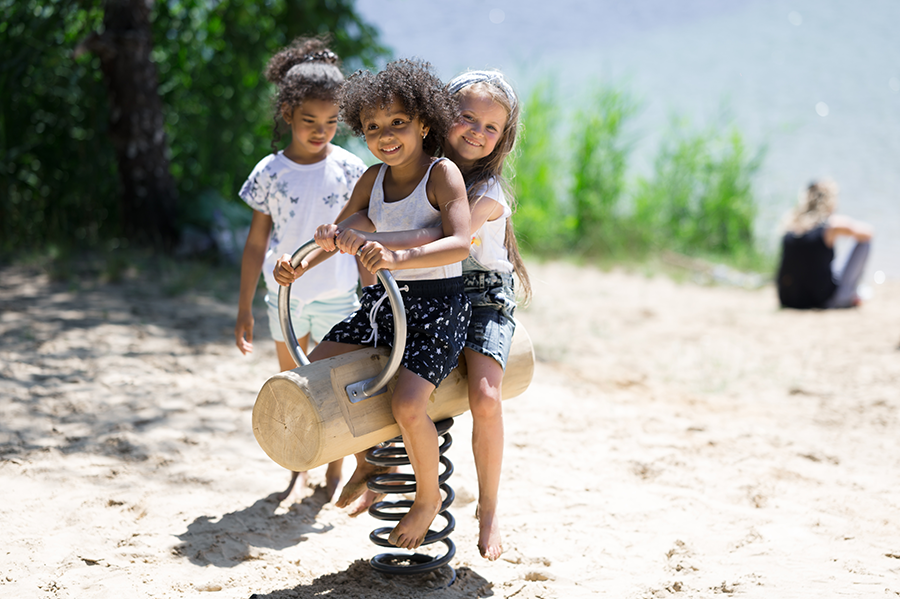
[491, 327]
[437, 317]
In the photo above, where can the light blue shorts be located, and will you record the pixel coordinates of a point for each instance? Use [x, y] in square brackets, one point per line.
[315, 318]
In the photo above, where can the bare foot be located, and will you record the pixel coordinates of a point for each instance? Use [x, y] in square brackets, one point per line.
[489, 543]
[411, 530]
[295, 476]
[356, 486]
[369, 497]
[364, 501]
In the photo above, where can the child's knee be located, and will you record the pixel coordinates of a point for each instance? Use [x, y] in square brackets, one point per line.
[486, 402]
[408, 410]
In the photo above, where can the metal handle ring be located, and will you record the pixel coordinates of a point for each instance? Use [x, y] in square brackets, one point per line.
[369, 387]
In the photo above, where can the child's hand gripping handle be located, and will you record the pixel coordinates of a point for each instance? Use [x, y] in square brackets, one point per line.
[369, 387]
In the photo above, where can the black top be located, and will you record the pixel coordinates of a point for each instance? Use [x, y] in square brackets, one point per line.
[804, 277]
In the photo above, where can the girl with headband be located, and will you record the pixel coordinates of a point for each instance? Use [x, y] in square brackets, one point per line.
[479, 143]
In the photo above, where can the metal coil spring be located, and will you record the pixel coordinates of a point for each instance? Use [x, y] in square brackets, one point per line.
[394, 454]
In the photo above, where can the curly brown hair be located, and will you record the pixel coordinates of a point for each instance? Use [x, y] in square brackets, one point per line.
[414, 85]
[305, 70]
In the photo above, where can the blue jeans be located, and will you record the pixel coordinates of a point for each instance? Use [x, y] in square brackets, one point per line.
[493, 303]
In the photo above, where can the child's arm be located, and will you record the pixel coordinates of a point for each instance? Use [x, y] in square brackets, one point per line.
[352, 236]
[355, 228]
[355, 213]
[251, 267]
[285, 274]
[485, 209]
[448, 191]
[352, 239]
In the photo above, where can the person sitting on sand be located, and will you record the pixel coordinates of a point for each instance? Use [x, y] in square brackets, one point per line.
[805, 277]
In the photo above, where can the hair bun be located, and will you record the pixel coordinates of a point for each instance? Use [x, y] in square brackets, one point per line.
[302, 50]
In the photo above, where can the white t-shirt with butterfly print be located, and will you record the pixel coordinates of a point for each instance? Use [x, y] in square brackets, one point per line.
[299, 198]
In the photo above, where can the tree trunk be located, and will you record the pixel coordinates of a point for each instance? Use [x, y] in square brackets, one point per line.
[136, 125]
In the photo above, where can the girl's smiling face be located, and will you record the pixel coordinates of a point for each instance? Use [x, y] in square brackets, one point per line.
[392, 135]
[476, 132]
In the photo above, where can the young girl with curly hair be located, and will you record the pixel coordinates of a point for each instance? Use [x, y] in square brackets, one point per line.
[479, 142]
[404, 113]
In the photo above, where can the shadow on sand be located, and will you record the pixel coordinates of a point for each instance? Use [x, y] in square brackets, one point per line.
[89, 368]
[360, 580]
[229, 540]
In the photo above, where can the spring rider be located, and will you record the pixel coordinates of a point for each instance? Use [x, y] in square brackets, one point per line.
[329, 409]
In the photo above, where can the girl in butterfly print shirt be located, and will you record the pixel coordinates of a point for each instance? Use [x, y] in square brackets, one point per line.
[291, 192]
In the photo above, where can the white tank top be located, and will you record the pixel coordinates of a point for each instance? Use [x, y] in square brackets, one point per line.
[412, 212]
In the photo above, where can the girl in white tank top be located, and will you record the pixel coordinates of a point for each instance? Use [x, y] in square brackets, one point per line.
[404, 112]
[412, 212]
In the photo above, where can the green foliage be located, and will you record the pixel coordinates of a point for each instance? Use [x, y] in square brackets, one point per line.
[57, 168]
[58, 180]
[211, 58]
[699, 197]
[539, 221]
[697, 200]
[599, 170]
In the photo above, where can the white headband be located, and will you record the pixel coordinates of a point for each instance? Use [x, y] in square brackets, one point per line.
[472, 77]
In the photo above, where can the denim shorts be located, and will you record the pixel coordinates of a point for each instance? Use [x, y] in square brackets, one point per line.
[437, 318]
[493, 299]
[314, 318]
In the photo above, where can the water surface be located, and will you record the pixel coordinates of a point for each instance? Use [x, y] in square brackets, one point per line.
[816, 81]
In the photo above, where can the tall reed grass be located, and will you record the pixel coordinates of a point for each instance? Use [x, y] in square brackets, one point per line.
[539, 225]
[696, 199]
[599, 171]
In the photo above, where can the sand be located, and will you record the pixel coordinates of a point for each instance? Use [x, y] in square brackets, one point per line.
[678, 440]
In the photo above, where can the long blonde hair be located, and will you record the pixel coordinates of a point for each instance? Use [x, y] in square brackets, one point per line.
[815, 205]
[491, 166]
